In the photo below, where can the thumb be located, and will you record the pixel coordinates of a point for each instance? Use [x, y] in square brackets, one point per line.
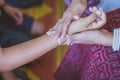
[18, 17]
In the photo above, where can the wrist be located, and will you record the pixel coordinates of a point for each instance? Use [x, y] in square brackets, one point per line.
[77, 7]
[79, 2]
[107, 38]
[59, 41]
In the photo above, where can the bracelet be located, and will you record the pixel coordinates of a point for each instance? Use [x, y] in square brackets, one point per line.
[52, 33]
[116, 40]
[59, 41]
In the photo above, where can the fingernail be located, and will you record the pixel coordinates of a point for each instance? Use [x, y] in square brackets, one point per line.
[101, 9]
[76, 17]
[90, 9]
[94, 8]
[71, 44]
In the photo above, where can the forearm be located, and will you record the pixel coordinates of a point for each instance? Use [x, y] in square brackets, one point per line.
[77, 7]
[80, 1]
[18, 55]
[106, 40]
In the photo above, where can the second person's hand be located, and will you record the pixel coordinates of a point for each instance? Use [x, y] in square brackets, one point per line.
[77, 7]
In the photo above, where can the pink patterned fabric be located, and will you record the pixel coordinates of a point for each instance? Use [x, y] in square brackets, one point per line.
[92, 62]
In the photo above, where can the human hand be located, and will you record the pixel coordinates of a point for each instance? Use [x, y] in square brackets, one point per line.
[100, 37]
[101, 20]
[14, 13]
[94, 21]
[53, 33]
[76, 8]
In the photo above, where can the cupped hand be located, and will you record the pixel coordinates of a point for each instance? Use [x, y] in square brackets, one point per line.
[14, 13]
[100, 37]
[101, 19]
[94, 21]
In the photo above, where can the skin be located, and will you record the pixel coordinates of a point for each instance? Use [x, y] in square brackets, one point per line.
[77, 7]
[97, 13]
[90, 35]
[15, 56]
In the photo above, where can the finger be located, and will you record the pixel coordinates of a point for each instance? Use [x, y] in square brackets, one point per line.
[16, 18]
[103, 15]
[52, 29]
[93, 24]
[99, 11]
[91, 9]
[64, 26]
[94, 8]
[55, 26]
[59, 28]
[69, 40]
[20, 16]
[64, 31]
[102, 19]
[58, 32]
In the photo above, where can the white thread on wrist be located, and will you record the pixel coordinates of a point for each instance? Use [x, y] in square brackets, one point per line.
[59, 41]
[52, 33]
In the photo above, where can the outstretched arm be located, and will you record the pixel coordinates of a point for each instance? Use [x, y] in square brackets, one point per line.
[23, 53]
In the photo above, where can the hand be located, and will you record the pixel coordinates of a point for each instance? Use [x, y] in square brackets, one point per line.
[101, 20]
[94, 21]
[53, 33]
[100, 37]
[76, 8]
[14, 13]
